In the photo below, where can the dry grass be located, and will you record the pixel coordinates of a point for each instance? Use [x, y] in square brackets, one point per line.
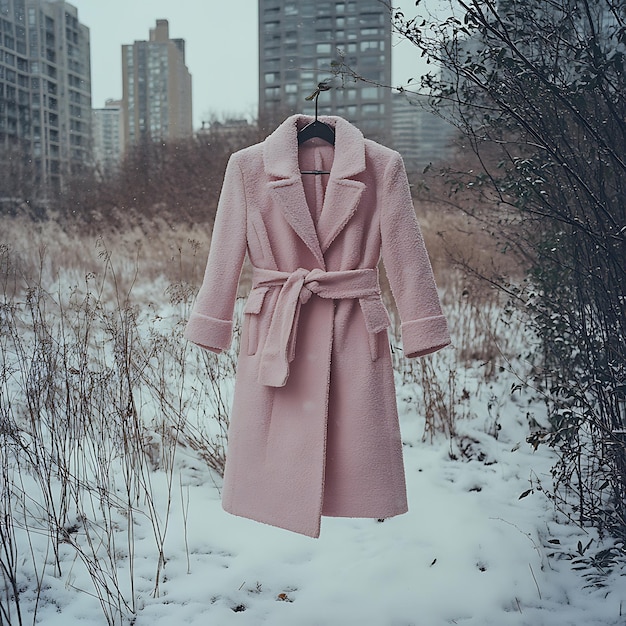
[458, 241]
[46, 250]
[99, 398]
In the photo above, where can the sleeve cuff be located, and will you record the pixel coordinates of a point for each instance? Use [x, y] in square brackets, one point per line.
[209, 332]
[424, 336]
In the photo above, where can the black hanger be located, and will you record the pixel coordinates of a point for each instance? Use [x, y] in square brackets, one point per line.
[317, 128]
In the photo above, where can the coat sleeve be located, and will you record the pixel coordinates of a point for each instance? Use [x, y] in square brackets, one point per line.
[211, 322]
[423, 326]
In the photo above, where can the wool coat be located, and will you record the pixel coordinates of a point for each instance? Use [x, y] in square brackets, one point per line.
[314, 426]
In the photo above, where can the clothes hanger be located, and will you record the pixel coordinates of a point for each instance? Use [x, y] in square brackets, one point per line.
[317, 129]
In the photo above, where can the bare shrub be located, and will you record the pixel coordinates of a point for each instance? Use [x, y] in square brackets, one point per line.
[536, 91]
[98, 395]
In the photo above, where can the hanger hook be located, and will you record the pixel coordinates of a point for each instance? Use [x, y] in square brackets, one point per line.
[323, 86]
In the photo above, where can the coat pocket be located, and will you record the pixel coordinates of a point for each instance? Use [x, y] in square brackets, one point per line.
[376, 321]
[252, 310]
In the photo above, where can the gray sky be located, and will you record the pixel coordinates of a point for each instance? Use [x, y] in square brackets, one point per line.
[221, 48]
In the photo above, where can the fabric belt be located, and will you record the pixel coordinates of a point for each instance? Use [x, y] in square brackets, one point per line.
[296, 288]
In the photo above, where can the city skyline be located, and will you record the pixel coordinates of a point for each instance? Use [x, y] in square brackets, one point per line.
[222, 50]
[52, 116]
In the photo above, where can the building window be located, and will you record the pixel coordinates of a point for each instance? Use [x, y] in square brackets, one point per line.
[372, 45]
[373, 60]
[323, 48]
[369, 93]
[323, 8]
[371, 109]
[308, 9]
[372, 18]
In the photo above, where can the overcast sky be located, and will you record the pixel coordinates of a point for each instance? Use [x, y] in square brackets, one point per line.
[221, 48]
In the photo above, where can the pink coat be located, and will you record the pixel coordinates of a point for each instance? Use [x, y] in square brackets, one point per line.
[314, 425]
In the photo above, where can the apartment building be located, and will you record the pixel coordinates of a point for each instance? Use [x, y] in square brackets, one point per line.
[300, 40]
[108, 137]
[45, 92]
[156, 88]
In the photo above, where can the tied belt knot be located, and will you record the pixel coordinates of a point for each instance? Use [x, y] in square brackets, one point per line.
[296, 289]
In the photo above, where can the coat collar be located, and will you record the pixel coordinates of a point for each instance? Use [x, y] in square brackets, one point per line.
[280, 157]
[280, 150]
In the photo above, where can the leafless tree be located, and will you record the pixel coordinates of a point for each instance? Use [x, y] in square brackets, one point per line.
[537, 90]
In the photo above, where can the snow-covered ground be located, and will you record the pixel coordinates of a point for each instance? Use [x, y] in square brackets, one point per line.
[470, 551]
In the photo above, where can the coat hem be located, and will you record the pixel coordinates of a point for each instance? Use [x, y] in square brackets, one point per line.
[361, 516]
[314, 533]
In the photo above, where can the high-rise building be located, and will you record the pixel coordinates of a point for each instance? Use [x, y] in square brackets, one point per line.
[298, 42]
[60, 69]
[419, 135]
[156, 88]
[45, 91]
[108, 137]
[15, 110]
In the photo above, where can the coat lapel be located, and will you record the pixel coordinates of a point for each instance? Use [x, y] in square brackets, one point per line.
[340, 203]
[289, 195]
[280, 154]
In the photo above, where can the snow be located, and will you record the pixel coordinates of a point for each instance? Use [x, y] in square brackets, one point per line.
[470, 551]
